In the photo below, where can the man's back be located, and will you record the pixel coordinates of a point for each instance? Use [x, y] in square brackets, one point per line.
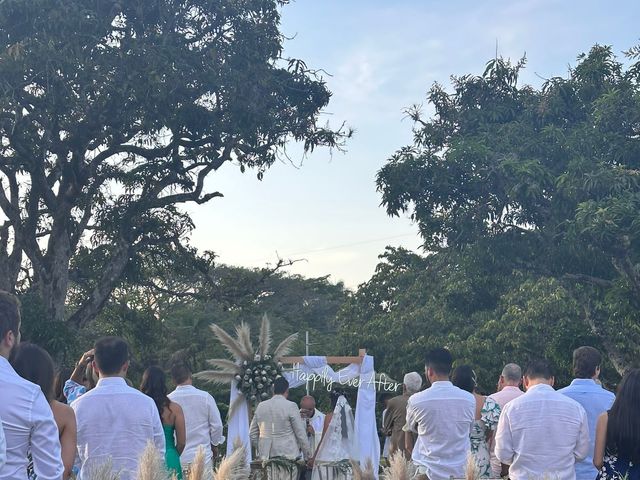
[394, 420]
[28, 425]
[502, 397]
[443, 416]
[595, 400]
[116, 422]
[542, 432]
[202, 420]
[278, 429]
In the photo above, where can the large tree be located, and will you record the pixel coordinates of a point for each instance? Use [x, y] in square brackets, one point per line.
[486, 314]
[114, 113]
[552, 173]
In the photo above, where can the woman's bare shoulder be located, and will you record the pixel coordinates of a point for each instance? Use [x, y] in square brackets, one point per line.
[62, 411]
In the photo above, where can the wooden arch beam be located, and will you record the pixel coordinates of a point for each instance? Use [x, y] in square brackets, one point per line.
[330, 360]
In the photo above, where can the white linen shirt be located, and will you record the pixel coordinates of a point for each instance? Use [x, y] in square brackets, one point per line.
[3, 447]
[116, 422]
[442, 416]
[542, 433]
[28, 426]
[202, 421]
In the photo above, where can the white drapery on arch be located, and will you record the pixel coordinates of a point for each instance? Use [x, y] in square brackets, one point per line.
[362, 374]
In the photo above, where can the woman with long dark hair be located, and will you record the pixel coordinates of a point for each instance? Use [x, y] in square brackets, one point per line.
[154, 385]
[34, 364]
[617, 450]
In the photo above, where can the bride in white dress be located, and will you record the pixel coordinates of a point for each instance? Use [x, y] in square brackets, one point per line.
[338, 445]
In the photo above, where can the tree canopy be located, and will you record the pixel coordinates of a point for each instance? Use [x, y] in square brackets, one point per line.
[543, 180]
[113, 114]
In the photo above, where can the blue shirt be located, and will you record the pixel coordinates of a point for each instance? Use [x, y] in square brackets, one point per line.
[595, 400]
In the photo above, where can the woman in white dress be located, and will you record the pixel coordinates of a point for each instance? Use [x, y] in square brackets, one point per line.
[338, 445]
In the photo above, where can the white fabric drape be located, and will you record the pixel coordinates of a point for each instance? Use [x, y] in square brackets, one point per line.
[366, 430]
[238, 426]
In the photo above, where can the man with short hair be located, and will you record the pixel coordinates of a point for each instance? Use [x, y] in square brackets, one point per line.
[115, 421]
[594, 399]
[396, 416]
[27, 420]
[202, 419]
[542, 433]
[314, 420]
[508, 389]
[442, 416]
[277, 429]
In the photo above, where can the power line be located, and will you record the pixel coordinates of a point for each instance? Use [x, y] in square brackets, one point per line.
[346, 245]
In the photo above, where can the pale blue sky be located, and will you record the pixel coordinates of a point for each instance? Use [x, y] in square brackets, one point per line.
[382, 57]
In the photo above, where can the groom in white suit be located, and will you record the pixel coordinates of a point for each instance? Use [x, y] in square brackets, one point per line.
[277, 429]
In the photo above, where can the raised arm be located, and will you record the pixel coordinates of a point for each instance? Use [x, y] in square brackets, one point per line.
[601, 440]
[78, 372]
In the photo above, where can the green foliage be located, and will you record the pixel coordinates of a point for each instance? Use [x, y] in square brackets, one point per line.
[487, 318]
[545, 178]
[113, 114]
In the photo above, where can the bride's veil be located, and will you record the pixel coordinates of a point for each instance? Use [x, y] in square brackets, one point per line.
[339, 442]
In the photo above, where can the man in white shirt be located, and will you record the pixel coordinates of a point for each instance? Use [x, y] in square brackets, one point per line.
[115, 421]
[542, 433]
[508, 389]
[314, 420]
[201, 416]
[27, 419]
[442, 416]
[3, 447]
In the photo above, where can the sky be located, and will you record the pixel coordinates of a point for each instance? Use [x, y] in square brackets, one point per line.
[382, 56]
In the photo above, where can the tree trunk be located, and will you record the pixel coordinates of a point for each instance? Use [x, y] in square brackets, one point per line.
[111, 275]
[617, 358]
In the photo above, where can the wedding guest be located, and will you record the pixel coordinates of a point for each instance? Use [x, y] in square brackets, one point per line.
[276, 428]
[83, 378]
[3, 447]
[396, 416]
[314, 420]
[542, 433]
[201, 417]
[508, 389]
[486, 419]
[594, 399]
[35, 364]
[62, 374]
[384, 399]
[115, 421]
[442, 416]
[154, 385]
[617, 446]
[27, 419]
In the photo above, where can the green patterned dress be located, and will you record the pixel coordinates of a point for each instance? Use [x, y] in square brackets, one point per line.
[479, 446]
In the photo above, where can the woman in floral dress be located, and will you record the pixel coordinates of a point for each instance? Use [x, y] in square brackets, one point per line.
[617, 451]
[487, 415]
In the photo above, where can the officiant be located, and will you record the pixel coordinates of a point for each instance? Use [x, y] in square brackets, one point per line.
[314, 420]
